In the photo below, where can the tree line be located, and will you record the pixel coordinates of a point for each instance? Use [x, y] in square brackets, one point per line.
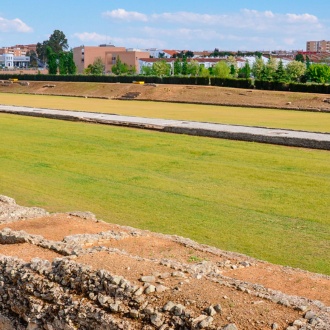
[298, 70]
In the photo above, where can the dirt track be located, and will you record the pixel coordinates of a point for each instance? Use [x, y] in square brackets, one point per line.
[179, 93]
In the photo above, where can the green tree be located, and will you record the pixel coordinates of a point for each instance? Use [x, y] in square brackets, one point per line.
[257, 67]
[221, 70]
[189, 54]
[97, 68]
[42, 50]
[271, 68]
[132, 69]
[280, 73]
[147, 71]
[295, 70]
[66, 64]
[52, 61]
[177, 67]
[203, 72]
[58, 42]
[233, 70]
[300, 58]
[308, 62]
[184, 69]
[231, 61]
[62, 63]
[119, 67]
[215, 53]
[319, 73]
[245, 72]
[71, 66]
[193, 68]
[161, 68]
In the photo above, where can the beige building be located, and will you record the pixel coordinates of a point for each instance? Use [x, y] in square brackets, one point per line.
[86, 55]
[321, 46]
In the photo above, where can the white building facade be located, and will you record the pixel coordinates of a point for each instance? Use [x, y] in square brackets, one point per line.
[10, 61]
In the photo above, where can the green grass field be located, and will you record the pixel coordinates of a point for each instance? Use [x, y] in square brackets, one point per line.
[298, 120]
[270, 202]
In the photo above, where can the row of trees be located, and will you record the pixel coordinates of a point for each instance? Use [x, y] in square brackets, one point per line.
[295, 71]
[182, 67]
[273, 70]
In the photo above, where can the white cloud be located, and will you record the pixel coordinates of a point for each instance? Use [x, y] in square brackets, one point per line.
[250, 19]
[188, 18]
[245, 19]
[122, 14]
[289, 41]
[246, 29]
[304, 18]
[129, 42]
[91, 37]
[14, 25]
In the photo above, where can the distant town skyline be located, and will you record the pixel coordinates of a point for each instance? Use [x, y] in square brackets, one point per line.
[229, 25]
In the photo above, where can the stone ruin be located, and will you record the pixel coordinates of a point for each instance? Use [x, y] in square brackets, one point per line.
[64, 294]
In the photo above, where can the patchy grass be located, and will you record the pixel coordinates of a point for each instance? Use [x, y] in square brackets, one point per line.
[288, 119]
[270, 202]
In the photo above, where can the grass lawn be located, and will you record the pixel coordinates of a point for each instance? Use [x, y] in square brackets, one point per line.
[270, 202]
[288, 119]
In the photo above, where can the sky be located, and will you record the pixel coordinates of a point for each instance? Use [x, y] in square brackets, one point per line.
[180, 25]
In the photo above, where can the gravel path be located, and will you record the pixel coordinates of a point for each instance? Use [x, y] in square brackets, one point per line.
[234, 132]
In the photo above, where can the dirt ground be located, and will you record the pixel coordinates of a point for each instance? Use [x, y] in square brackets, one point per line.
[146, 253]
[179, 93]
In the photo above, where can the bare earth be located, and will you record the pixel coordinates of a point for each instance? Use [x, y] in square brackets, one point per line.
[206, 276]
[179, 93]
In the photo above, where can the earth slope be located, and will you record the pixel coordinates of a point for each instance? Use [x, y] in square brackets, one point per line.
[72, 271]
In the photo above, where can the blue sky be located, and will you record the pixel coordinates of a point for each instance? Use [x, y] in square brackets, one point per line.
[190, 25]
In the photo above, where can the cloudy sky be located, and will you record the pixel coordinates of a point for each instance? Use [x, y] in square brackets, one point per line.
[171, 24]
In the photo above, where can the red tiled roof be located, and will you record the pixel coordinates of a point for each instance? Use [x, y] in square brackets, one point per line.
[170, 52]
[200, 60]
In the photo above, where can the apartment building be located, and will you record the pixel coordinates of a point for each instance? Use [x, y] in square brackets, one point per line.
[321, 46]
[18, 50]
[83, 56]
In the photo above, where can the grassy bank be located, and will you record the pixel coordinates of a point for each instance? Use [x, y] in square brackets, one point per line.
[270, 202]
[288, 119]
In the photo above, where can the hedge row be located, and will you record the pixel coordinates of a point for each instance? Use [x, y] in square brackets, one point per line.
[239, 83]
[293, 87]
[225, 82]
[236, 83]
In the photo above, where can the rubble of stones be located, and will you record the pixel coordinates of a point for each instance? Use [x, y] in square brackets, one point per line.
[64, 294]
